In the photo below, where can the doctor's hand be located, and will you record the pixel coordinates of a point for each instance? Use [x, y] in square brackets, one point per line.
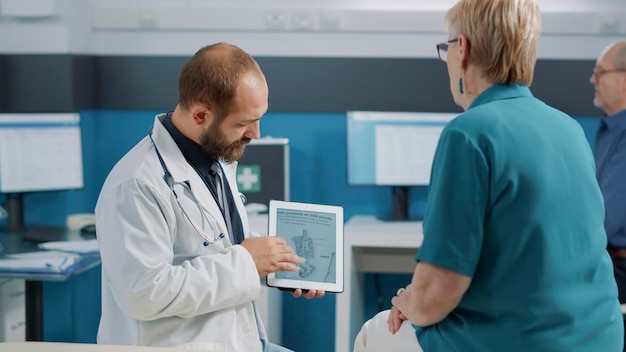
[271, 254]
[308, 293]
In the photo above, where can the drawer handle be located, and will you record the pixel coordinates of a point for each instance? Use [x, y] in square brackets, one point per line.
[18, 325]
[17, 293]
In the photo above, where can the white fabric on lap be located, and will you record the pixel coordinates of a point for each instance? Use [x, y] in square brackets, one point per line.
[375, 336]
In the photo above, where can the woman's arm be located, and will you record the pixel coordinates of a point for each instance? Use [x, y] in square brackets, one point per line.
[434, 292]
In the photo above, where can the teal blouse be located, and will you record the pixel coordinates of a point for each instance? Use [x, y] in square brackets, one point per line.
[514, 204]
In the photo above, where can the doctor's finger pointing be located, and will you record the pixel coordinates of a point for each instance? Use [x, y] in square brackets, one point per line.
[271, 254]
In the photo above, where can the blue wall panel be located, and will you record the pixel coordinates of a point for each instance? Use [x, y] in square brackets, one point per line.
[71, 309]
[117, 96]
[318, 175]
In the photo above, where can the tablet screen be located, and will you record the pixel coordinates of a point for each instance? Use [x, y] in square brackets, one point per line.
[314, 232]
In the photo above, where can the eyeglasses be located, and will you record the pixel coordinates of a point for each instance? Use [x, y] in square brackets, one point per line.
[599, 72]
[442, 49]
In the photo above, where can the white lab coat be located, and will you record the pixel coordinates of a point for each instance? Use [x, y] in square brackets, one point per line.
[160, 285]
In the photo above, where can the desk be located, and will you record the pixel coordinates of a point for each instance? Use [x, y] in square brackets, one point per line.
[82, 347]
[13, 243]
[371, 245]
[268, 304]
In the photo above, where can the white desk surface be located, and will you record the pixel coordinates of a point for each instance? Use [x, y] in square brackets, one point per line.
[371, 245]
[83, 347]
[369, 231]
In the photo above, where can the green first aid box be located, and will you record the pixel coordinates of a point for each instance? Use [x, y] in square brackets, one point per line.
[263, 171]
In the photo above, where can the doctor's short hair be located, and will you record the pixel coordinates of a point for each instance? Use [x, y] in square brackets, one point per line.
[212, 75]
[502, 34]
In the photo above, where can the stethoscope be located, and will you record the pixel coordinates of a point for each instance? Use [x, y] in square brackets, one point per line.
[168, 178]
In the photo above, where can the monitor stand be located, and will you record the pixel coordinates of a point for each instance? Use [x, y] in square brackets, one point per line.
[15, 217]
[35, 233]
[399, 205]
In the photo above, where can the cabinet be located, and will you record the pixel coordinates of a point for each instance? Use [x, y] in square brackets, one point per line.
[375, 246]
[12, 310]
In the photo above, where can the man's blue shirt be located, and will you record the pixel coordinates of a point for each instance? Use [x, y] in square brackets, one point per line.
[610, 157]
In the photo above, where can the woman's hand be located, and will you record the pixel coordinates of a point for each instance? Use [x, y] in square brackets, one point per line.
[396, 318]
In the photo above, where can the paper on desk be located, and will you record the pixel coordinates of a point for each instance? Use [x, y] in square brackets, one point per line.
[78, 247]
[43, 262]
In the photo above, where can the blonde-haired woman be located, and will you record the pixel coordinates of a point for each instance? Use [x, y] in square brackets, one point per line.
[514, 253]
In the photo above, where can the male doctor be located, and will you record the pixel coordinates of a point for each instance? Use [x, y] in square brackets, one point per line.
[180, 267]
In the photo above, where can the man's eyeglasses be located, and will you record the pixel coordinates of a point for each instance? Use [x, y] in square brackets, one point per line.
[599, 72]
[442, 49]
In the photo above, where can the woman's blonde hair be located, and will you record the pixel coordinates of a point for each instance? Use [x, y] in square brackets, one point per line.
[503, 36]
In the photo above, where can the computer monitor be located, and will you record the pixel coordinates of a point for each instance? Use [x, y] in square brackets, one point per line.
[38, 152]
[263, 173]
[393, 149]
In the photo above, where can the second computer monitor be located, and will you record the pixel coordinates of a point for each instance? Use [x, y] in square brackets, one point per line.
[393, 149]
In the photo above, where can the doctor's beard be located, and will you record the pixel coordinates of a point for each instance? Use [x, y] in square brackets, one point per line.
[214, 143]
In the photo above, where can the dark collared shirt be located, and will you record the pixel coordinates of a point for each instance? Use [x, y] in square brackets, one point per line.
[201, 162]
[610, 155]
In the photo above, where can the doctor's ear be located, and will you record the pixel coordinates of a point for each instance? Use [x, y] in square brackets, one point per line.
[201, 114]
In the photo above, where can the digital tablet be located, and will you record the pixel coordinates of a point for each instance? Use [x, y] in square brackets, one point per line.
[315, 232]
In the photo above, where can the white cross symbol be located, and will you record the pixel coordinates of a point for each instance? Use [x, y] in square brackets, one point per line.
[247, 178]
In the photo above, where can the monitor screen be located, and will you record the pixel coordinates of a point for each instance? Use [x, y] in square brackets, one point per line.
[40, 152]
[392, 148]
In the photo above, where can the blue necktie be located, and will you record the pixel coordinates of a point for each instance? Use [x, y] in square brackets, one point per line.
[222, 198]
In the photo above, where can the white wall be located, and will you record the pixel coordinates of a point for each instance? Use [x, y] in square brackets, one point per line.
[572, 29]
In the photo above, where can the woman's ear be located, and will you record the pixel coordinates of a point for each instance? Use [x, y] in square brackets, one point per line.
[464, 50]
